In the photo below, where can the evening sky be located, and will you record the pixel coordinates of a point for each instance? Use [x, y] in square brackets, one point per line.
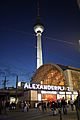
[60, 39]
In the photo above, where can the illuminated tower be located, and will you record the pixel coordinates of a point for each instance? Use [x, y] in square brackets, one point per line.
[39, 28]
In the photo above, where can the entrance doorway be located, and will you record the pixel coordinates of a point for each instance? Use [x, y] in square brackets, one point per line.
[49, 97]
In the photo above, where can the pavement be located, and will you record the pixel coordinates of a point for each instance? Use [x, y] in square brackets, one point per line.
[35, 114]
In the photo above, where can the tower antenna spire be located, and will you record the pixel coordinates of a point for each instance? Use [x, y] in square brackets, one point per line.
[38, 9]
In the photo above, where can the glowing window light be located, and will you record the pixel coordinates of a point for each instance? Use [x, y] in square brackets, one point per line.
[75, 93]
[19, 84]
[41, 82]
[61, 93]
[12, 99]
[39, 97]
[48, 92]
[69, 93]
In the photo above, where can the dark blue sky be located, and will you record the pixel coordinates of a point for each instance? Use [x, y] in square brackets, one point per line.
[60, 39]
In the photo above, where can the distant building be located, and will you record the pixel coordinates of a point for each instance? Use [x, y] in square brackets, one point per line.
[78, 2]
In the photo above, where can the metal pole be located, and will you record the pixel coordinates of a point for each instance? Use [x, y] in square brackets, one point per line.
[16, 87]
[4, 83]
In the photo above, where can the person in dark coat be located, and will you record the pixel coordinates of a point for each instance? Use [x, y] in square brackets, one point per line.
[77, 105]
[63, 105]
[0, 106]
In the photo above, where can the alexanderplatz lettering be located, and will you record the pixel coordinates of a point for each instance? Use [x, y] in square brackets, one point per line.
[44, 87]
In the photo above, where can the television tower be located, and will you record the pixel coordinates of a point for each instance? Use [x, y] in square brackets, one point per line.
[39, 28]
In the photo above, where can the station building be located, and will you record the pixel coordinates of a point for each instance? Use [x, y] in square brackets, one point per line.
[51, 82]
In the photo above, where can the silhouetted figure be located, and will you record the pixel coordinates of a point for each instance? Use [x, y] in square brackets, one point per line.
[64, 104]
[77, 105]
[0, 106]
[72, 104]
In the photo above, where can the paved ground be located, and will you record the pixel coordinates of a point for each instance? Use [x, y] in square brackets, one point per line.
[34, 114]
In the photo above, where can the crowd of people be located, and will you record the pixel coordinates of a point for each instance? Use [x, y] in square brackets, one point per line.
[59, 106]
[55, 106]
[5, 106]
[24, 106]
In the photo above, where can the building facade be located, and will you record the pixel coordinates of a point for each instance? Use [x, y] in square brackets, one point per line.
[51, 82]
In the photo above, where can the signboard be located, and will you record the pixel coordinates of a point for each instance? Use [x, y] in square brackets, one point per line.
[44, 87]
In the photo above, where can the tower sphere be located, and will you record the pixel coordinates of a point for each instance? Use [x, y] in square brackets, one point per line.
[38, 28]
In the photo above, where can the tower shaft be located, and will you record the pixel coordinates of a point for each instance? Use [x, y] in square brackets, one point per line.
[39, 51]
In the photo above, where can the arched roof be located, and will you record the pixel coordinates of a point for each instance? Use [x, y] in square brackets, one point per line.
[50, 74]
